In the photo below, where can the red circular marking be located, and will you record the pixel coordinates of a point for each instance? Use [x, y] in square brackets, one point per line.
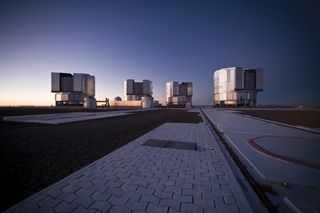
[259, 148]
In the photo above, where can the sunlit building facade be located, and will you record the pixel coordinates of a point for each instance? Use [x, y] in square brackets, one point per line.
[235, 86]
[179, 94]
[73, 90]
[134, 91]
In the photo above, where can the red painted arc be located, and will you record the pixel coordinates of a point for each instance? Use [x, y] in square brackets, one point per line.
[259, 148]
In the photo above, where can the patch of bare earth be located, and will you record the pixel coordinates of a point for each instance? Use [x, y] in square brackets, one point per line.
[307, 118]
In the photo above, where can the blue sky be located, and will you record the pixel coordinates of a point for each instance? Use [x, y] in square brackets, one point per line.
[159, 41]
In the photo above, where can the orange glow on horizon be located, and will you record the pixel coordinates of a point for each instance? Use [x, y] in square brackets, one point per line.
[26, 103]
[27, 100]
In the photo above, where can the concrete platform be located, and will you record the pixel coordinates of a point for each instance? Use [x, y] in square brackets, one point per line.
[286, 155]
[137, 178]
[60, 118]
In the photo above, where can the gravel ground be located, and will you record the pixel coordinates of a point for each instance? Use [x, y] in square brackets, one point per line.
[307, 118]
[34, 156]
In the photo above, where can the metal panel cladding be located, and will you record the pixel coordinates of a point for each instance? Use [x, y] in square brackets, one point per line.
[128, 87]
[189, 89]
[169, 89]
[237, 86]
[259, 79]
[91, 86]
[178, 94]
[183, 89]
[147, 87]
[77, 82]
[66, 82]
[55, 82]
[175, 88]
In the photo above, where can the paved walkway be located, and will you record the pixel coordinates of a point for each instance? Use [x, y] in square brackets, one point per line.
[138, 178]
[276, 153]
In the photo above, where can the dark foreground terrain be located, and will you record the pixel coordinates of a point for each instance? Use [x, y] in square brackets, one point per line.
[307, 118]
[34, 156]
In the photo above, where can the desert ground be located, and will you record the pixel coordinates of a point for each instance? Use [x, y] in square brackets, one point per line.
[308, 118]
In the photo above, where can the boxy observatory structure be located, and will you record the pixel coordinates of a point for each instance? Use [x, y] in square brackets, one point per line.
[179, 94]
[138, 91]
[73, 90]
[235, 86]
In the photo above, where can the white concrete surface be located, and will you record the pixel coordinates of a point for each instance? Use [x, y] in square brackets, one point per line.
[60, 118]
[291, 142]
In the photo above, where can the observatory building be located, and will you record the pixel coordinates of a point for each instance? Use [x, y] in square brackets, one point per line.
[179, 94]
[235, 86]
[73, 90]
[134, 91]
[138, 91]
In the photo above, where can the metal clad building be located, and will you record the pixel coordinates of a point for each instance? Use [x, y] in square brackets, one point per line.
[236, 86]
[134, 91]
[138, 88]
[73, 90]
[259, 79]
[61, 82]
[128, 87]
[147, 87]
[55, 82]
[77, 82]
[91, 86]
[66, 82]
[179, 94]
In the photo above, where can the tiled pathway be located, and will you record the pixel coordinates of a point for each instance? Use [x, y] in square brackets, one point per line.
[137, 178]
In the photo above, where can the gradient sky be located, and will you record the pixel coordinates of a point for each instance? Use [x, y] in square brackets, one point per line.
[159, 41]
